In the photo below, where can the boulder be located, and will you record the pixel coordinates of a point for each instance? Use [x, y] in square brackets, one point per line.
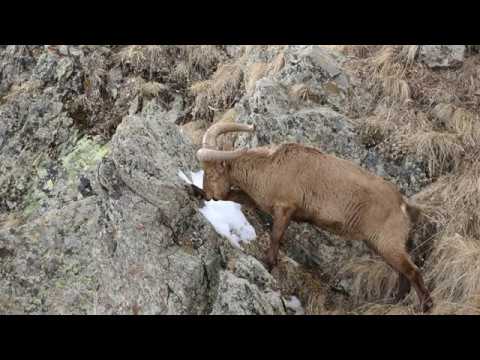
[442, 56]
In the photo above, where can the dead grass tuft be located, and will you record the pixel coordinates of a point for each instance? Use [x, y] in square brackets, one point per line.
[296, 280]
[373, 279]
[396, 88]
[454, 268]
[304, 93]
[373, 130]
[448, 308]
[466, 124]
[359, 51]
[11, 220]
[180, 63]
[441, 151]
[218, 93]
[385, 309]
[277, 64]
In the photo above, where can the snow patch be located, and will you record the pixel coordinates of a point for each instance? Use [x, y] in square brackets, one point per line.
[225, 216]
[295, 305]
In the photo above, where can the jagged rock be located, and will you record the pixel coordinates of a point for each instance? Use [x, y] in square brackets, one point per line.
[175, 247]
[93, 215]
[442, 56]
[237, 296]
[64, 69]
[135, 244]
[51, 267]
[16, 64]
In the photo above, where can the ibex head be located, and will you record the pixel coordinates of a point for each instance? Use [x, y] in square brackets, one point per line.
[216, 182]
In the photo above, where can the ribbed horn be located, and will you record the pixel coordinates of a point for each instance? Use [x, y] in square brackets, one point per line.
[218, 155]
[210, 138]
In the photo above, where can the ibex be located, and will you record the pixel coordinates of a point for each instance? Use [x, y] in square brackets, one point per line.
[292, 182]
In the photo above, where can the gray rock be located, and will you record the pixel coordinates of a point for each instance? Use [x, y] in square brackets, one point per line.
[135, 244]
[16, 64]
[234, 51]
[46, 67]
[237, 296]
[442, 56]
[311, 64]
[64, 69]
[104, 225]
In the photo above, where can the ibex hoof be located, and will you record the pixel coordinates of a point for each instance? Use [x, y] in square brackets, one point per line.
[270, 263]
[427, 305]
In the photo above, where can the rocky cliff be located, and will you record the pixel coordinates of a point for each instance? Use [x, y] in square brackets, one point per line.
[94, 218]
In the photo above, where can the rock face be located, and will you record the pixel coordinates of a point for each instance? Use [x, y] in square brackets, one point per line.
[442, 56]
[93, 216]
[138, 246]
[89, 226]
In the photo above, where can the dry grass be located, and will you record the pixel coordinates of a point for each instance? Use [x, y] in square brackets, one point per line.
[181, 63]
[390, 66]
[11, 220]
[196, 62]
[467, 125]
[454, 268]
[374, 129]
[463, 203]
[373, 279]
[433, 115]
[152, 88]
[147, 60]
[277, 64]
[453, 202]
[396, 88]
[305, 94]
[443, 307]
[441, 151]
[28, 86]
[295, 280]
[358, 51]
[385, 309]
[218, 93]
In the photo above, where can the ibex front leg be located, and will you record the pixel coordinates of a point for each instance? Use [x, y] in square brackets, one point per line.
[281, 219]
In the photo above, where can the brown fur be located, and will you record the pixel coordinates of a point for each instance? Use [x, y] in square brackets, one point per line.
[300, 183]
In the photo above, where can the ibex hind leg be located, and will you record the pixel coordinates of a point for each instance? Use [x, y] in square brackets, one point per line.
[404, 285]
[403, 288]
[400, 260]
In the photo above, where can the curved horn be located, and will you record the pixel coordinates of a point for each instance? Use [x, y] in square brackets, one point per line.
[218, 155]
[210, 138]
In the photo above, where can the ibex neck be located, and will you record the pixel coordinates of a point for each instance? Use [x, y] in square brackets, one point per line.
[243, 170]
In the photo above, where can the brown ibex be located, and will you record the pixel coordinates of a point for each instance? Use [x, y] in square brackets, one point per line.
[298, 183]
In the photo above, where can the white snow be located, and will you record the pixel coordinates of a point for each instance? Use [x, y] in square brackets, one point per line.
[225, 216]
[295, 305]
